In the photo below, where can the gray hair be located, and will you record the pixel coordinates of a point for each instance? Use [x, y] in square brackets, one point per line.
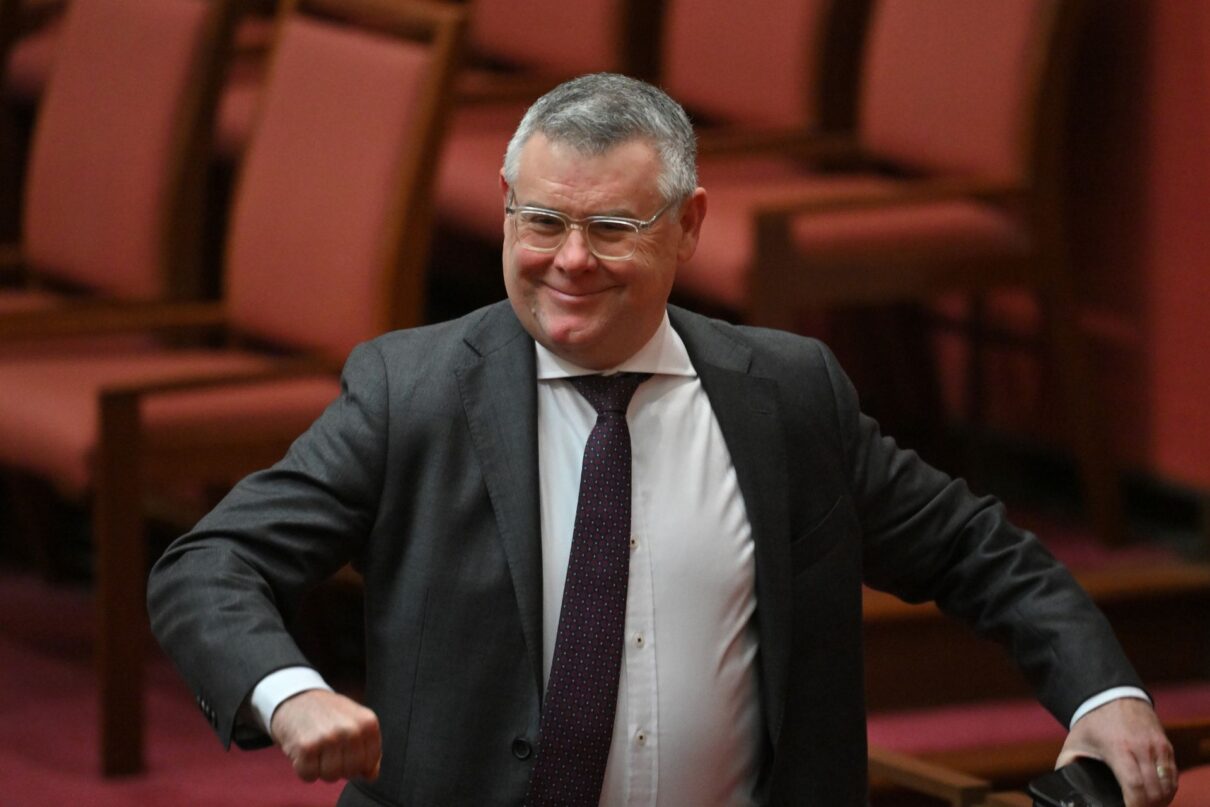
[597, 112]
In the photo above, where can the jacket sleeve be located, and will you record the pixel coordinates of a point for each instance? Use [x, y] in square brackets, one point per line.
[221, 595]
[927, 537]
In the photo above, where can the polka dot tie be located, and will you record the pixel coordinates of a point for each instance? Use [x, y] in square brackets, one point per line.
[577, 713]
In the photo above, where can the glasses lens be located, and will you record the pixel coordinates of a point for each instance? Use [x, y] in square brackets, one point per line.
[539, 230]
[613, 239]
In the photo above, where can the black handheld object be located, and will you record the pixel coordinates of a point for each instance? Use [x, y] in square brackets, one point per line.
[1083, 783]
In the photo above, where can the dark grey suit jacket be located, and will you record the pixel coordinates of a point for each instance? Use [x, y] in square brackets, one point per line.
[424, 473]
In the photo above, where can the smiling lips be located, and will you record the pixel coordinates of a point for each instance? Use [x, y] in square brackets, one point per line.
[575, 295]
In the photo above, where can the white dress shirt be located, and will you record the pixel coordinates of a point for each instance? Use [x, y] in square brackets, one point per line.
[688, 723]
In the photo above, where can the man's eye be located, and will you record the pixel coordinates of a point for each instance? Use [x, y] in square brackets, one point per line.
[543, 221]
[612, 229]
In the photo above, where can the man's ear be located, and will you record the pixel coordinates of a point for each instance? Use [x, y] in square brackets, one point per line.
[504, 188]
[693, 212]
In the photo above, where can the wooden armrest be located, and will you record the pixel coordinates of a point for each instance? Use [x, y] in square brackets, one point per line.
[1009, 800]
[779, 206]
[92, 318]
[959, 789]
[303, 367]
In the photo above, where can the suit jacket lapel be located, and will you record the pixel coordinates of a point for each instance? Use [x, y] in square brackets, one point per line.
[499, 393]
[746, 407]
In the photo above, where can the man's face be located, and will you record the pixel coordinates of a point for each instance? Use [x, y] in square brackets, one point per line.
[593, 312]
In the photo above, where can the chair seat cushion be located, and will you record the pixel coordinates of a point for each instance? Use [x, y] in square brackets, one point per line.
[49, 405]
[880, 239]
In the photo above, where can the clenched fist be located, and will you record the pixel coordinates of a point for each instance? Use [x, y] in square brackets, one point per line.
[327, 736]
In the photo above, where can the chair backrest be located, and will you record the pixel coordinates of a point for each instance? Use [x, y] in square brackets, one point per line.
[791, 65]
[114, 187]
[952, 86]
[328, 238]
[564, 39]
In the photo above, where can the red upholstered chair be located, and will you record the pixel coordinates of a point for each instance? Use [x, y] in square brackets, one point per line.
[113, 195]
[951, 183]
[326, 248]
[762, 81]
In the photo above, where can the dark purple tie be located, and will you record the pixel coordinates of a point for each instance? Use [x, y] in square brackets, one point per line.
[577, 713]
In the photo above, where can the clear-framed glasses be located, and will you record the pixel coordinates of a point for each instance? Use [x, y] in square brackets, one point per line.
[611, 238]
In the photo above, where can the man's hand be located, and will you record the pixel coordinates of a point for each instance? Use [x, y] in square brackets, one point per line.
[327, 736]
[1126, 735]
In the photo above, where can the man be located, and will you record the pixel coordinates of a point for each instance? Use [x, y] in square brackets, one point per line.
[759, 500]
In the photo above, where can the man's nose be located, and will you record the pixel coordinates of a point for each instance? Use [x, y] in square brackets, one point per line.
[575, 254]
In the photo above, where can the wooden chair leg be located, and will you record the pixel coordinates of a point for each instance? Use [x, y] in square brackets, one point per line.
[121, 568]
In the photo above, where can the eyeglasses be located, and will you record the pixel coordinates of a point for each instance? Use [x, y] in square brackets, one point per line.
[611, 238]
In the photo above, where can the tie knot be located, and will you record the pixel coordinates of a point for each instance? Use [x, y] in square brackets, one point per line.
[609, 393]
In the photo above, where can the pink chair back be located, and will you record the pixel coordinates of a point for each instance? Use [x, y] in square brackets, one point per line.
[950, 85]
[119, 131]
[328, 235]
[734, 66]
[555, 37]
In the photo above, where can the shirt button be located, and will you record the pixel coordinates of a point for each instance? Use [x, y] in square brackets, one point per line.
[634, 543]
[521, 748]
[641, 738]
[639, 640]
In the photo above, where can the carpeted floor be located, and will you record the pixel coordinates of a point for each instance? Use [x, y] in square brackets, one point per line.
[48, 743]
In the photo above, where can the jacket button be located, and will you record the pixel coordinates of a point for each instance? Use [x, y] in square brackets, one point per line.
[522, 749]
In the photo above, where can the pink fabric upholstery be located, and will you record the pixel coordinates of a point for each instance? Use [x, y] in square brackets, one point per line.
[944, 81]
[728, 63]
[719, 272]
[310, 228]
[48, 407]
[551, 35]
[98, 171]
[1194, 788]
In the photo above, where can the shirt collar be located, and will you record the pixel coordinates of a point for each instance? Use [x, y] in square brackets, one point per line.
[664, 353]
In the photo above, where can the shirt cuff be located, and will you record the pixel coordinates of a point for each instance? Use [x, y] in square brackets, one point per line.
[1105, 697]
[278, 686]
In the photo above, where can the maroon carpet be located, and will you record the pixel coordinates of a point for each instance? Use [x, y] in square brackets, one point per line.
[48, 742]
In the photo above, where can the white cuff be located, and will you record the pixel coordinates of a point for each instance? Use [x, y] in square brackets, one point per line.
[277, 687]
[1105, 697]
